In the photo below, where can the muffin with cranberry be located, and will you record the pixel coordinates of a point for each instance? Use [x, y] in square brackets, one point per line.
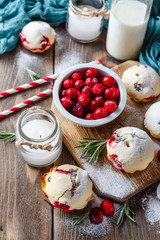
[37, 36]
[67, 187]
[142, 83]
[130, 149]
[152, 120]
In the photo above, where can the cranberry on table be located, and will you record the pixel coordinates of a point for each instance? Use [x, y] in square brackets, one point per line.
[158, 154]
[66, 102]
[89, 116]
[68, 83]
[78, 110]
[107, 207]
[88, 90]
[96, 215]
[91, 72]
[72, 93]
[76, 76]
[98, 89]
[83, 99]
[91, 81]
[100, 113]
[108, 81]
[79, 84]
[100, 100]
[110, 105]
[93, 105]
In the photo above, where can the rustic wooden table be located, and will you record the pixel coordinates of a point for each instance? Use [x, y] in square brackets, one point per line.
[24, 215]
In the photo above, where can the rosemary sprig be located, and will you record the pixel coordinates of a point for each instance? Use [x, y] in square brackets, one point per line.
[34, 76]
[92, 147]
[125, 212]
[80, 217]
[6, 135]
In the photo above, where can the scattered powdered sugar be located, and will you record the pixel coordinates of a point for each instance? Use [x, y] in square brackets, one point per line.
[109, 180]
[87, 227]
[151, 206]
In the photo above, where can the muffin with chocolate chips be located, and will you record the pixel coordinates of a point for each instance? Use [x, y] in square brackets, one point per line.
[67, 187]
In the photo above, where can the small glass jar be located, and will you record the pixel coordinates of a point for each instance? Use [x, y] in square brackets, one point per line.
[85, 19]
[127, 27]
[38, 136]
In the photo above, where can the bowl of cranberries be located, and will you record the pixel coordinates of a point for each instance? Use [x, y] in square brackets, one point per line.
[89, 95]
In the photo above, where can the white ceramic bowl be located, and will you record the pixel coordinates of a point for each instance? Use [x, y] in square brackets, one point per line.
[103, 71]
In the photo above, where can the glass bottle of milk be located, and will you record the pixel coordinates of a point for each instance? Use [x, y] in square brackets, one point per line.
[127, 27]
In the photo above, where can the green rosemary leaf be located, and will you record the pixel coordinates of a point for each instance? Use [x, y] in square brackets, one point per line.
[132, 211]
[131, 218]
[91, 147]
[6, 135]
[125, 213]
[34, 76]
[80, 217]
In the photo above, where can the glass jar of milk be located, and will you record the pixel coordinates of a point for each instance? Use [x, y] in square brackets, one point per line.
[127, 27]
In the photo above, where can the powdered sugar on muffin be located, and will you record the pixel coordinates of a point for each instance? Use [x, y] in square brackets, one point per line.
[152, 120]
[67, 187]
[37, 36]
[130, 149]
[142, 83]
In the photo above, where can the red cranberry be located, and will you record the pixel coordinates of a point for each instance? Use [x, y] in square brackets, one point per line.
[100, 100]
[93, 105]
[68, 83]
[91, 81]
[89, 116]
[110, 105]
[76, 76]
[117, 93]
[83, 99]
[98, 89]
[79, 84]
[72, 93]
[78, 92]
[96, 215]
[91, 72]
[158, 154]
[78, 110]
[111, 93]
[88, 90]
[63, 93]
[100, 113]
[108, 81]
[107, 207]
[66, 102]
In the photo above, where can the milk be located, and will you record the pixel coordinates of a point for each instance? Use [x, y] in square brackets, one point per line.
[126, 31]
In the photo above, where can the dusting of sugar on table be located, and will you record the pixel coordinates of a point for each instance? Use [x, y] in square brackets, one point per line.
[87, 227]
[151, 206]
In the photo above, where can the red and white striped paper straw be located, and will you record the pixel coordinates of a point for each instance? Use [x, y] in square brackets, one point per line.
[27, 102]
[36, 97]
[28, 85]
[36, 83]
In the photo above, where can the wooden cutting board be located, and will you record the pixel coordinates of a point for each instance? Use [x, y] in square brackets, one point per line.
[108, 181]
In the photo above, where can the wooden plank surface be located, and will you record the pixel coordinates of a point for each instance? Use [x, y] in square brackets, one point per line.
[23, 213]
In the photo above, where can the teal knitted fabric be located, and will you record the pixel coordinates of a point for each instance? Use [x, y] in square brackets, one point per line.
[15, 14]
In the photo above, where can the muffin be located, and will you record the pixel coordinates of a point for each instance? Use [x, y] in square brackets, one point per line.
[142, 83]
[67, 187]
[152, 120]
[130, 149]
[37, 36]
